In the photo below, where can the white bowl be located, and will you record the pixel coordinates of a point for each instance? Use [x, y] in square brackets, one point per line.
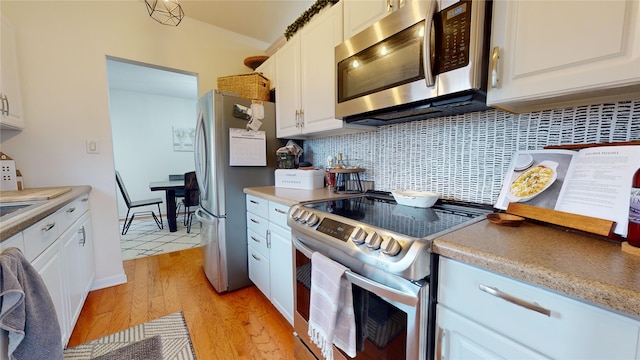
[420, 199]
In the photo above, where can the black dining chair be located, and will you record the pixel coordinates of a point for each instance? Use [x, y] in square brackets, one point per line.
[179, 193]
[191, 197]
[135, 204]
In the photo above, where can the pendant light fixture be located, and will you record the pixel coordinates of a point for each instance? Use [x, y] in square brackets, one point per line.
[166, 12]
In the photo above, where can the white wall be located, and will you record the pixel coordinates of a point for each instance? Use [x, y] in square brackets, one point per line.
[143, 142]
[62, 47]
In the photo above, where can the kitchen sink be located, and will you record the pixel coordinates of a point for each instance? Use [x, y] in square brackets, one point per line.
[9, 210]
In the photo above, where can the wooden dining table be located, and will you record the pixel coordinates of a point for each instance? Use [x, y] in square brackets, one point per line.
[169, 187]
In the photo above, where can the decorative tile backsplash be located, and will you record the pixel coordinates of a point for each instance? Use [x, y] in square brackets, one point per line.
[465, 157]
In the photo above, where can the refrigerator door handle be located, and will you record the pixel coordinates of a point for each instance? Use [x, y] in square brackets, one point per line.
[201, 171]
[201, 216]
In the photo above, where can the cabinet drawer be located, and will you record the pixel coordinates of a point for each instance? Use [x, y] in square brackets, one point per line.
[40, 235]
[259, 271]
[278, 213]
[14, 241]
[570, 329]
[258, 206]
[72, 211]
[257, 224]
[258, 242]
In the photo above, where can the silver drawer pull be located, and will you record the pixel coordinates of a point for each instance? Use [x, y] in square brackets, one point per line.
[85, 200]
[255, 257]
[255, 221]
[514, 300]
[48, 227]
[280, 211]
[254, 202]
[71, 210]
[254, 239]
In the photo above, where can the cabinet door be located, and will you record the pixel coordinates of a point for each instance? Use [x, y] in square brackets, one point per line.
[564, 53]
[360, 14]
[317, 56]
[259, 271]
[288, 92]
[556, 325]
[50, 267]
[281, 259]
[459, 338]
[78, 264]
[9, 80]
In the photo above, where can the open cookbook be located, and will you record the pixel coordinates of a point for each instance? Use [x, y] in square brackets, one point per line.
[592, 182]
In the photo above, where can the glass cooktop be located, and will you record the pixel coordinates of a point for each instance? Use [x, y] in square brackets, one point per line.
[376, 208]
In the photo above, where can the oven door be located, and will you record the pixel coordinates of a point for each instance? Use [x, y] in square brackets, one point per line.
[390, 323]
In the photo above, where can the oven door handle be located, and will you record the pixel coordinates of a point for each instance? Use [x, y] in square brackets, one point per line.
[366, 284]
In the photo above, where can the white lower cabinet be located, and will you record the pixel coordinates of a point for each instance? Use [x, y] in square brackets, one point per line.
[281, 270]
[79, 268]
[271, 252]
[484, 315]
[460, 338]
[49, 264]
[60, 248]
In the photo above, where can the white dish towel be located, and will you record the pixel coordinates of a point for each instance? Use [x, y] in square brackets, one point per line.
[331, 316]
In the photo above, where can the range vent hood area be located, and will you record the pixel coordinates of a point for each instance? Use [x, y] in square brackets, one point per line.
[460, 103]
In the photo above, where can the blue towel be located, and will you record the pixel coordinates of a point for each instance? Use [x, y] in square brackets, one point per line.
[27, 311]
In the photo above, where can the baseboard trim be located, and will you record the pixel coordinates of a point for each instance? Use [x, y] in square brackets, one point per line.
[109, 281]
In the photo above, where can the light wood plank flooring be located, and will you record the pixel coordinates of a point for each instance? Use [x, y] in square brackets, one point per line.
[238, 325]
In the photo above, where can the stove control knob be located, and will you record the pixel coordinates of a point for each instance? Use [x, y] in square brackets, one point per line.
[373, 241]
[390, 247]
[312, 219]
[358, 235]
[302, 216]
[296, 214]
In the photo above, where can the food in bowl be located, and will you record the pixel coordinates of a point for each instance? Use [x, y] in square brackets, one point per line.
[420, 199]
[534, 181]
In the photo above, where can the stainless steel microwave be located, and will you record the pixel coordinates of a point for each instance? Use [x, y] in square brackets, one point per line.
[427, 59]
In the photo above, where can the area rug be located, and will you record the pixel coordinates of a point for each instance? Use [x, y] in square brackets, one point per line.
[166, 338]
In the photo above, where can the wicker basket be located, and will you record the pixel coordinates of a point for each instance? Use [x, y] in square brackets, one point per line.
[250, 86]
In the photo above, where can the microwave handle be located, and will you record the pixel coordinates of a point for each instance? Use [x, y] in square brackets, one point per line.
[366, 284]
[426, 48]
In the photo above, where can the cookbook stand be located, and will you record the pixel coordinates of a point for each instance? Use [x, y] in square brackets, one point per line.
[587, 224]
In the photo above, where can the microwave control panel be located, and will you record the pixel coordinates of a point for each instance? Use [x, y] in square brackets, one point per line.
[456, 29]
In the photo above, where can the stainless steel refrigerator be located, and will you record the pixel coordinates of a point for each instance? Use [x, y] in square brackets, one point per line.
[222, 210]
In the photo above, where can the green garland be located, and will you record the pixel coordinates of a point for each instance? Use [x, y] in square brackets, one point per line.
[306, 16]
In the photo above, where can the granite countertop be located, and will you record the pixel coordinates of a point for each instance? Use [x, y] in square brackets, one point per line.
[291, 197]
[19, 222]
[584, 267]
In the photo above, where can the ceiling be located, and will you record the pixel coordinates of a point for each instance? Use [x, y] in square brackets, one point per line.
[265, 20]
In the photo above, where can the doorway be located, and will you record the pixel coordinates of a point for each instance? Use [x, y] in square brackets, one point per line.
[152, 111]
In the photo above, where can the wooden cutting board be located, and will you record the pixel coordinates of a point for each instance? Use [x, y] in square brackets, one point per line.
[32, 194]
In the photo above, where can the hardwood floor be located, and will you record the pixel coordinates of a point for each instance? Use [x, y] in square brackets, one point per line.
[238, 325]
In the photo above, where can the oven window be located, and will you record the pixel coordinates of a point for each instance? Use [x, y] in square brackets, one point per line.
[392, 62]
[381, 328]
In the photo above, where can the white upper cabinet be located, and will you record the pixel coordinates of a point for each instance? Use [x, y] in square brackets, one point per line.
[359, 14]
[546, 55]
[10, 94]
[305, 77]
[288, 90]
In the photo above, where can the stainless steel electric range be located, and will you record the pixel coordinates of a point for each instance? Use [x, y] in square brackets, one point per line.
[387, 248]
